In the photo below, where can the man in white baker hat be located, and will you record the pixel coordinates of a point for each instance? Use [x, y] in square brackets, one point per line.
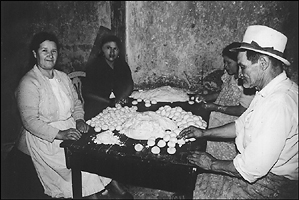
[266, 134]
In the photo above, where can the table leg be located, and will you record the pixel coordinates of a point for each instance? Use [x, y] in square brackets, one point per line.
[77, 183]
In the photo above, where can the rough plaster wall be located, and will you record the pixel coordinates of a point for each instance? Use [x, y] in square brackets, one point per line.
[75, 23]
[179, 42]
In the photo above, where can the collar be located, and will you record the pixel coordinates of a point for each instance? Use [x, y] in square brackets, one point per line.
[56, 76]
[268, 89]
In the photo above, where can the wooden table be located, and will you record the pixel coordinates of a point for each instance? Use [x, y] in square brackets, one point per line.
[122, 163]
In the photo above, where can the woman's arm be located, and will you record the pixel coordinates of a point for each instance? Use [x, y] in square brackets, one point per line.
[78, 112]
[229, 110]
[124, 85]
[28, 100]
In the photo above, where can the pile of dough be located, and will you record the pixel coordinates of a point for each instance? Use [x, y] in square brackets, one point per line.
[106, 137]
[143, 126]
[162, 94]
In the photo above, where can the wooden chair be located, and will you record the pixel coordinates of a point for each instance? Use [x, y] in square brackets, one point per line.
[76, 79]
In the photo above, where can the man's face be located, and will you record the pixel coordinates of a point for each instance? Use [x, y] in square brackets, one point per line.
[111, 51]
[251, 74]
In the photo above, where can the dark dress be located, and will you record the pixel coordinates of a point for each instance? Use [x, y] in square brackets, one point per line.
[101, 80]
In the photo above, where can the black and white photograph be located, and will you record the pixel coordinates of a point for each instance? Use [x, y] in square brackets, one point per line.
[149, 99]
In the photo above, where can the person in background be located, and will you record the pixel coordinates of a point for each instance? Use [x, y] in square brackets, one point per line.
[266, 134]
[108, 74]
[226, 105]
[51, 112]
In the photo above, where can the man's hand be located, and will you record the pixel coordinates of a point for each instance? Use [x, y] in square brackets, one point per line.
[201, 159]
[82, 126]
[191, 132]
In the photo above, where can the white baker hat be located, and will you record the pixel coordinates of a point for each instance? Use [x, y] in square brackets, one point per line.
[264, 40]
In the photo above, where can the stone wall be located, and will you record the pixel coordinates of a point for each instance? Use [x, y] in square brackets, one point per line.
[174, 43]
[180, 42]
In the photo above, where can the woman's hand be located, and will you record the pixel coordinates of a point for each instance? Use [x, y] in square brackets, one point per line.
[191, 132]
[82, 126]
[199, 98]
[69, 134]
[201, 159]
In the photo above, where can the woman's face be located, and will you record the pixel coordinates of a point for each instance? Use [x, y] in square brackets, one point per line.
[230, 65]
[111, 51]
[46, 55]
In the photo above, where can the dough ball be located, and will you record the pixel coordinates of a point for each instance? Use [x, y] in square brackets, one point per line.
[191, 102]
[171, 144]
[147, 105]
[166, 137]
[155, 150]
[97, 129]
[161, 143]
[171, 150]
[151, 142]
[138, 147]
[154, 102]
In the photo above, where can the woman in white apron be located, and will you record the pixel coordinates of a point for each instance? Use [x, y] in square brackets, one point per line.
[51, 112]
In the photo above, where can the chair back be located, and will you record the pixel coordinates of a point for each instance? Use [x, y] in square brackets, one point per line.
[76, 79]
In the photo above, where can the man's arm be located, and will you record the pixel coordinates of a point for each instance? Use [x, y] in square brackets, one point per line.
[225, 131]
[229, 110]
[225, 166]
[208, 162]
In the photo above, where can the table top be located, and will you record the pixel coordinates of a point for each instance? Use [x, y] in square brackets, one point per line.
[86, 144]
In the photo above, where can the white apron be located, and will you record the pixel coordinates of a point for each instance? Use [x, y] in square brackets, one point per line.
[49, 158]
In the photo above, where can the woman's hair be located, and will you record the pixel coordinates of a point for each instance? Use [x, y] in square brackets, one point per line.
[40, 38]
[231, 54]
[111, 38]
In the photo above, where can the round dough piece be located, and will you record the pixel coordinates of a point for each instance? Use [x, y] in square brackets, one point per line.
[161, 143]
[138, 147]
[147, 105]
[155, 150]
[171, 144]
[154, 102]
[166, 137]
[151, 143]
[171, 150]
[191, 102]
